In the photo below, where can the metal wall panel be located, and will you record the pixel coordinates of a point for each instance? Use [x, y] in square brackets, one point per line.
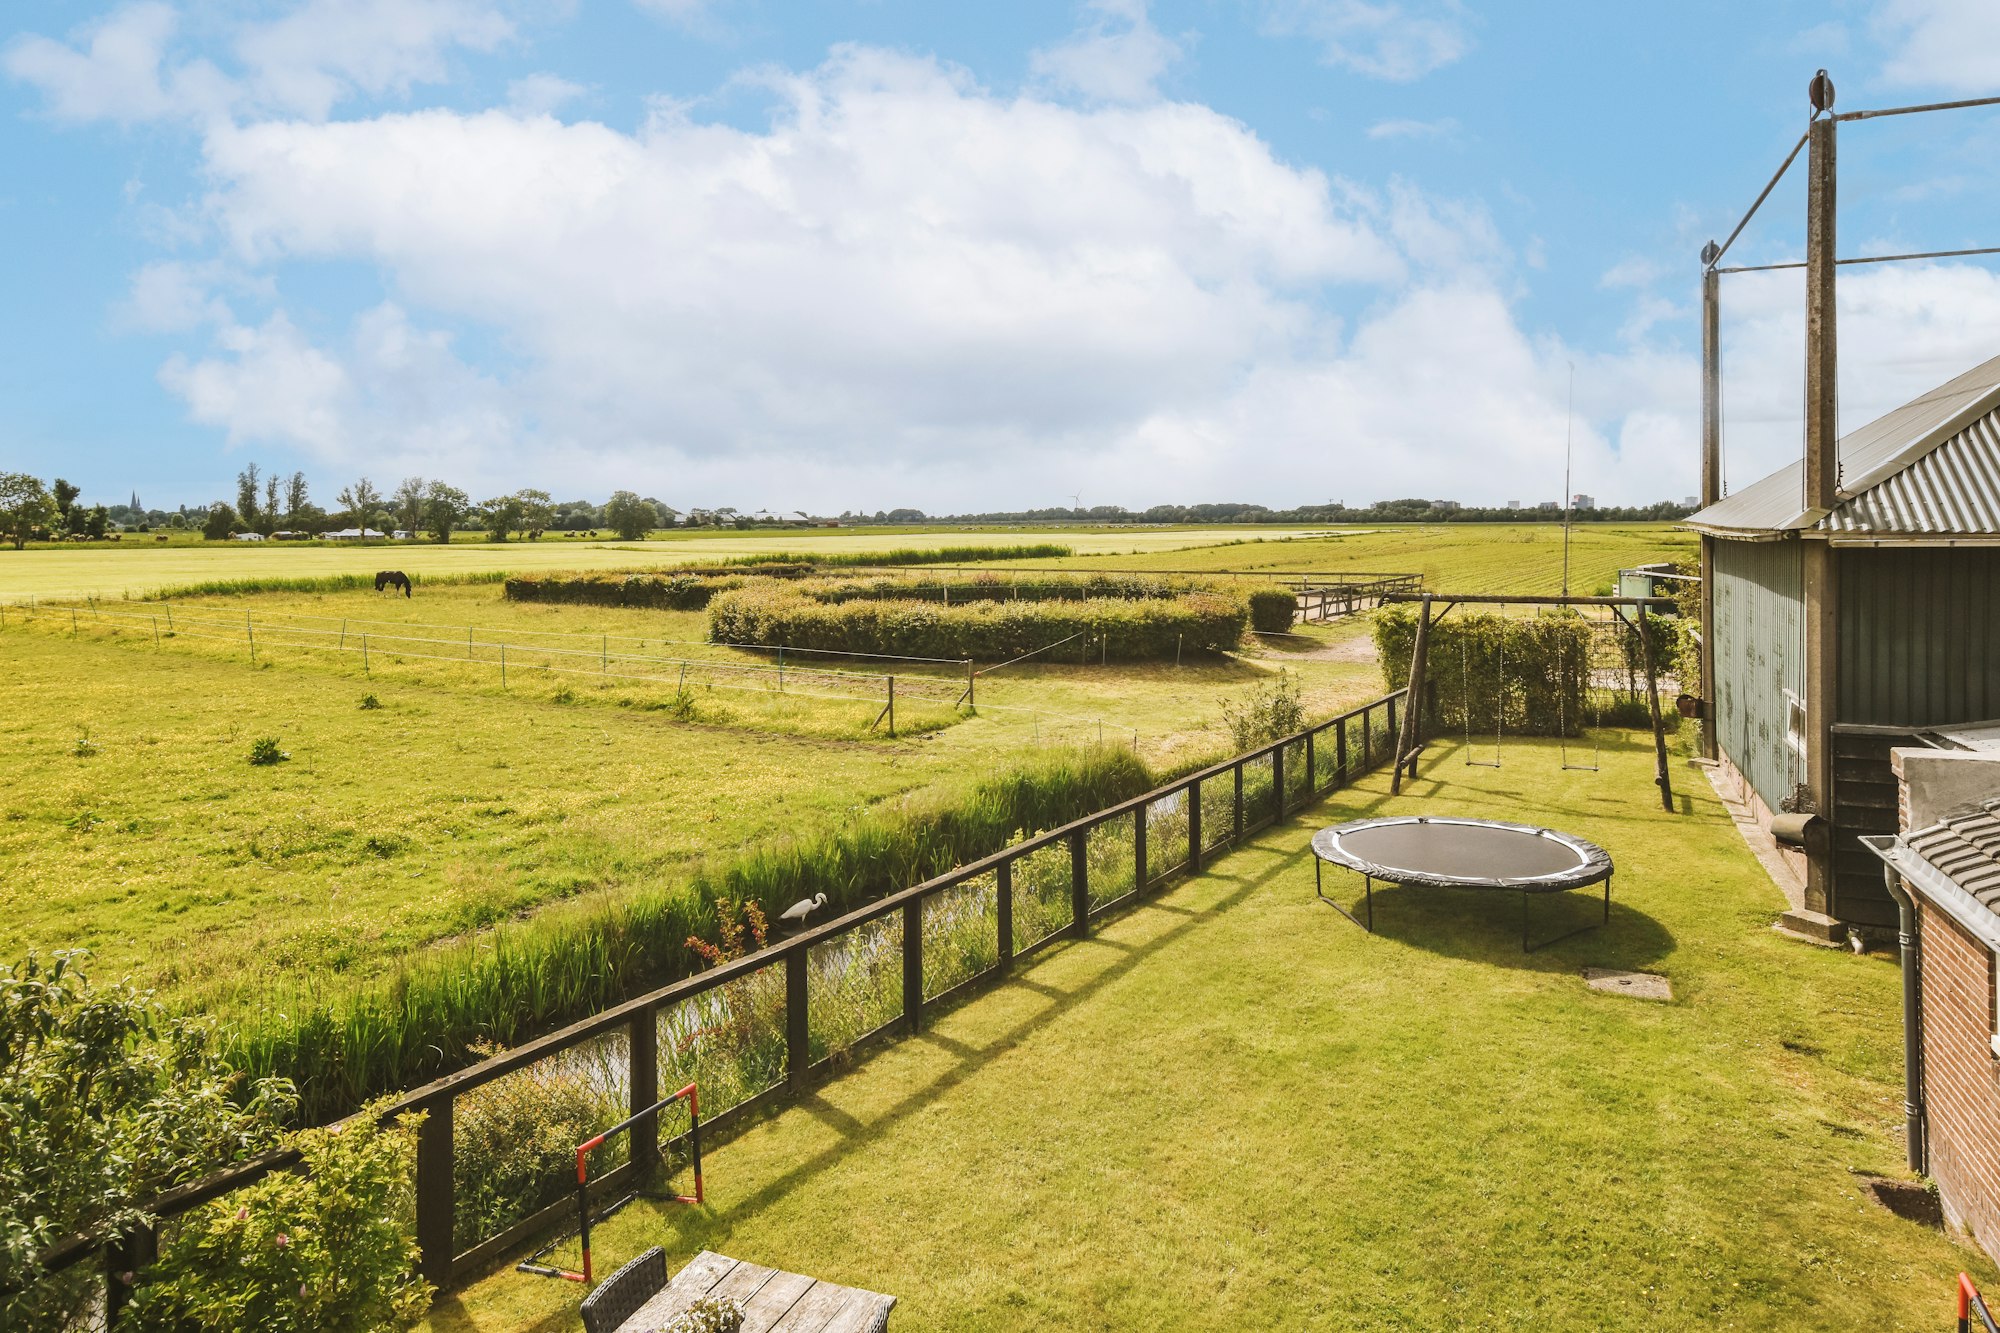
[1919, 636]
[1759, 655]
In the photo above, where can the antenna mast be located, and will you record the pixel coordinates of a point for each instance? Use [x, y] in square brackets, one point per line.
[1568, 423]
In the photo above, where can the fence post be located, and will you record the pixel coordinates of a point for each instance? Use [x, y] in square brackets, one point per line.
[156, 631]
[1236, 826]
[1079, 882]
[72, 622]
[643, 1066]
[125, 1258]
[798, 1032]
[250, 635]
[1139, 849]
[1340, 753]
[434, 1193]
[1194, 827]
[971, 682]
[1312, 769]
[892, 708]
[913, 964]
[365, 669]
[1278, 781]
[1003, 882]
[604, 656]
[503, 666]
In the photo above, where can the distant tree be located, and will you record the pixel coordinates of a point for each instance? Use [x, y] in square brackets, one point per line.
[295, 496]
[629, 516]
[97, 522]
[267, 521]
[65, 501]
[444, 506]
[220, 522]
[409, 503]
[538, 510]
[246, 495]
[308, 518]
[25, 505]
[503, 515]
[359, 501]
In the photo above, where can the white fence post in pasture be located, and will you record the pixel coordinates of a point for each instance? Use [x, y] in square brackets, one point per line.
[365, 670]
[468, 643]
[250, 635]
[503, 666]
[170, 617]
[156, 631]
[343, 637]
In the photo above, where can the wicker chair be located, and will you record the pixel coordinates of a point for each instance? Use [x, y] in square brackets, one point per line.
[619, 1296]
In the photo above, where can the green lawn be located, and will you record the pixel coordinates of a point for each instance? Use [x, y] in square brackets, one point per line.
[1232, 1109]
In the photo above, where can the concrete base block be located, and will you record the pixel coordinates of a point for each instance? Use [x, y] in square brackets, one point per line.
[1815, 926]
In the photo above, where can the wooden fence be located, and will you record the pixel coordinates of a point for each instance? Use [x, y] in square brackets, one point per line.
[1167, 832]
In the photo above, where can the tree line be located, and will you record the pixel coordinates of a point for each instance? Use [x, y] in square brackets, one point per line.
[270, 504]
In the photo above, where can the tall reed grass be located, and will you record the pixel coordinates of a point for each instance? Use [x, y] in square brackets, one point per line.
[513, 983]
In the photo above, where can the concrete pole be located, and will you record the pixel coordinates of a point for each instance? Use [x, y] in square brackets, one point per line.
[1711, 479]
[1822, 472]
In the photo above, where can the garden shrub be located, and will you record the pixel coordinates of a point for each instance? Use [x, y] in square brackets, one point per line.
[837, 619]
[106, 1100]
[514, 1141]
[1272, 610]
[264, 750]
[328, 1248]
[1268, 712]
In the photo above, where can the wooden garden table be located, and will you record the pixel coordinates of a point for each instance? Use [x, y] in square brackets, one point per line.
[772, 1301]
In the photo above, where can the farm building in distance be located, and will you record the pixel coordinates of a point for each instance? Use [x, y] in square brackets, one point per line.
[1837, 631]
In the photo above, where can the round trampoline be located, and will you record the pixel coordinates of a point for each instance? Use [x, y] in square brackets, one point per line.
[1448, 852]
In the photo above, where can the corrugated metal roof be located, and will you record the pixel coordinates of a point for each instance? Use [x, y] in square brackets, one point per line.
[1952, 490]
[1930, 467]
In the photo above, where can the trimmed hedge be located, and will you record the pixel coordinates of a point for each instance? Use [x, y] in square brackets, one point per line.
[907, 555]
[678, 590]
[999, 586]
[1272, 609]
[1545, 661]
[1125, 629]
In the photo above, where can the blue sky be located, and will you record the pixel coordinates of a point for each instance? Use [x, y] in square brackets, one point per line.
[833, 255]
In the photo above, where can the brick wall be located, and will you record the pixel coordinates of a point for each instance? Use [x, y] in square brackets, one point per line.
[1961, 1076]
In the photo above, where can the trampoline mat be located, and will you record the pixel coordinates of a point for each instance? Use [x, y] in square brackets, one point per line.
[1463, 851]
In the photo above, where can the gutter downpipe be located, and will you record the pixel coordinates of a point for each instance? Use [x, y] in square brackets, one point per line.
[1916, 1130]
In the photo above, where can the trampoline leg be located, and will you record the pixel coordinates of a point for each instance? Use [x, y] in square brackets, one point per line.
[1335, 904]
[1607, 900]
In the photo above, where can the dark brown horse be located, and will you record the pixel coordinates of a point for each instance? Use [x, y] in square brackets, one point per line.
[392, 579]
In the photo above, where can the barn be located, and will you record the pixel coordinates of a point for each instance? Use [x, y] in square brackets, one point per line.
[1837, 631]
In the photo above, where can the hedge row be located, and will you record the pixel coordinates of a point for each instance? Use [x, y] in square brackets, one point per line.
[678, 590]
[907, 555]
[1526, 673]
[987, 631]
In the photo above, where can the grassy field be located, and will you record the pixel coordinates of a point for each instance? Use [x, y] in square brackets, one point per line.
[1233, 1109]
[137, 827]
[135, 567]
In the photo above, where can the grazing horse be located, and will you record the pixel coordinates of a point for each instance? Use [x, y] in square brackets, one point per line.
[392, 579]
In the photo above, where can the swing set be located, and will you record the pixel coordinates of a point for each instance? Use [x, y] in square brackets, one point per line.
[1630, 612]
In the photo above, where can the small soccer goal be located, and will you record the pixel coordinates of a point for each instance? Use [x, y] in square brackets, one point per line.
[537, 1263]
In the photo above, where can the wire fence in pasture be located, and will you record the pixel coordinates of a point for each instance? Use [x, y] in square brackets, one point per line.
[926, 683]
[495, 1166]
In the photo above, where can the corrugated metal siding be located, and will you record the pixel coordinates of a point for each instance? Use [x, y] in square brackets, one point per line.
[1952, 490]
[1758, 656]
[1919, 635]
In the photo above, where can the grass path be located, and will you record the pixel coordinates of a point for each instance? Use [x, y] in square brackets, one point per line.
[1232, 1109]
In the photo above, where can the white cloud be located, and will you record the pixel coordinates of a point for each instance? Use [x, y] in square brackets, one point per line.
[1952, 45]
[1380, 38]
[1118, 56]
[907, 290]
[1445, 128]
[327, 50]
[116, 70]
[542, 94]
[122, 68]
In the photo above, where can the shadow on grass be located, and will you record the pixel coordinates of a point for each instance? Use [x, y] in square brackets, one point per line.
[1484, 926]
[697, 1231]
